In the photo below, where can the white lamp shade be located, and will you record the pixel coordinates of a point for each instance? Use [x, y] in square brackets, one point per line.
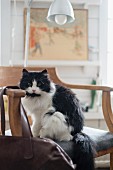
[61, 7]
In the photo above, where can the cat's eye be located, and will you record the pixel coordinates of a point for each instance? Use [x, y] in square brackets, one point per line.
[39, 83]
[29, 84]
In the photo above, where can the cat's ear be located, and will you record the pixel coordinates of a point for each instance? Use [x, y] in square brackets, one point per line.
[25, 72]
[44, 72]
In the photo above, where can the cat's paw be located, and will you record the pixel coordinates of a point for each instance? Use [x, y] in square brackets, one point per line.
[35, 131]
[43, 133]
[82, 141]
[78, 138]
[35, 134]
[66, 137]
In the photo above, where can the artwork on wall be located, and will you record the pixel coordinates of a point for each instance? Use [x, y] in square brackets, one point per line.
[53, 42]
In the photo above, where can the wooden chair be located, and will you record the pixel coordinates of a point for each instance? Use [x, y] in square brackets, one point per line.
[103, 139]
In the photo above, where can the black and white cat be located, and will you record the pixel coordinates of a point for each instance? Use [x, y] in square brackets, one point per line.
[56, 114]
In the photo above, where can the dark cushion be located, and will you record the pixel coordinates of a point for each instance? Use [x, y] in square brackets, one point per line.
[103, 140]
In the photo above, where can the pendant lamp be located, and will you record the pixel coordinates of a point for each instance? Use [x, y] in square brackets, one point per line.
[60, 12]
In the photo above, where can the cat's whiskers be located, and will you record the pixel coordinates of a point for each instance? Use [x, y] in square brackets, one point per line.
[42, 82]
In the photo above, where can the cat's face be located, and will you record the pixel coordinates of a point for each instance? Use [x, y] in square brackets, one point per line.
[35, 83]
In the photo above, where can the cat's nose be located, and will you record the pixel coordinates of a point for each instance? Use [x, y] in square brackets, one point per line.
[33, 91]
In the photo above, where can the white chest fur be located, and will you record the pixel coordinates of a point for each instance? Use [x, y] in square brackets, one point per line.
[37, 105]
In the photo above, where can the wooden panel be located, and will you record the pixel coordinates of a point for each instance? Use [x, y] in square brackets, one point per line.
[11, 75]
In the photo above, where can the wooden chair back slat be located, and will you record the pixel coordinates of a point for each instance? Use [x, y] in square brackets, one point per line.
[10, 76]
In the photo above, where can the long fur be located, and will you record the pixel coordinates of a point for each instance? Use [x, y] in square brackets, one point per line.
[56, 114]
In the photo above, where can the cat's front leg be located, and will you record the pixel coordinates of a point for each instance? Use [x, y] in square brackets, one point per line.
[35, 128]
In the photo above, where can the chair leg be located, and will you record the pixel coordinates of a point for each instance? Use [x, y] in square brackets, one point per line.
[111, 161]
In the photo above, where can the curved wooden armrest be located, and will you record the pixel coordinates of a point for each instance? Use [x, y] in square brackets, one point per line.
[87, 87]
[15, 95]
[107, 110]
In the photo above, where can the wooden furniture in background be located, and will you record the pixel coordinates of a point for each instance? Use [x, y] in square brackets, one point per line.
[12, 75]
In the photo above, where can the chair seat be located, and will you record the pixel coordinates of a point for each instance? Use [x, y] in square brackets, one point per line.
[103, 141]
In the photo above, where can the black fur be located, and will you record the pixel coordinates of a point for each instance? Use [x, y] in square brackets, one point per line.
[66, 102]
[32, 95]
[50, 113]
[84, 152]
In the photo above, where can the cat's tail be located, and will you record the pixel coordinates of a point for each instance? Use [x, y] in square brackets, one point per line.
[84, 152]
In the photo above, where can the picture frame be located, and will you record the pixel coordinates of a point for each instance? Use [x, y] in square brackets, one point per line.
[53, 42]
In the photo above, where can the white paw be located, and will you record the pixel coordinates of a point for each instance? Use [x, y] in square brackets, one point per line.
[34, 131]
[43, 133]
[67, 137]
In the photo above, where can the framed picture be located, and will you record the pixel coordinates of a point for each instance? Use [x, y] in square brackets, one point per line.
[53, 42]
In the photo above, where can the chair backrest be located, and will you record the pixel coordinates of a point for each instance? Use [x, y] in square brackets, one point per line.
[10, 76]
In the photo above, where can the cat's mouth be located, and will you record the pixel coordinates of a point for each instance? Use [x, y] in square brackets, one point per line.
[33, 94]
[36, 94]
